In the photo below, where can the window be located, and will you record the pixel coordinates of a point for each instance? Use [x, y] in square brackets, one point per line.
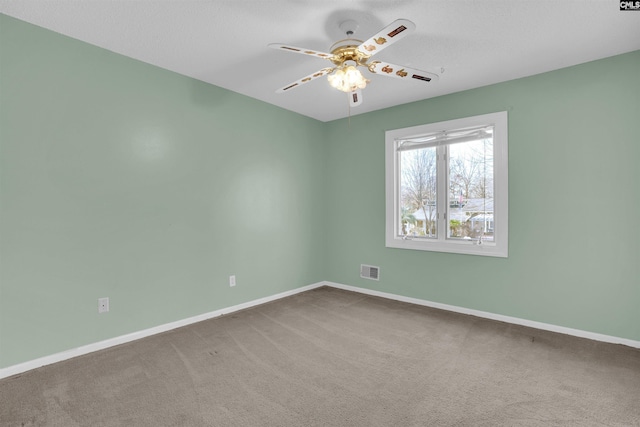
[447, 186]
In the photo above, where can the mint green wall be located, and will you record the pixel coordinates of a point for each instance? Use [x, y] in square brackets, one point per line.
[120, 179]
[574, 202]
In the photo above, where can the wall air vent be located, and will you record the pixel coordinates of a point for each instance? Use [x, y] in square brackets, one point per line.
[369, 272]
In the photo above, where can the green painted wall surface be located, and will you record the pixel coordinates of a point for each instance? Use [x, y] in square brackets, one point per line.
[120, 179]
[574, 198]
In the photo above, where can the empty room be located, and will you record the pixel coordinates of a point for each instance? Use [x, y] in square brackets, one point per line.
[238, 213]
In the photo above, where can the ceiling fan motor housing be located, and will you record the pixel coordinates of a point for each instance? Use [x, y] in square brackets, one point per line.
[347, 50]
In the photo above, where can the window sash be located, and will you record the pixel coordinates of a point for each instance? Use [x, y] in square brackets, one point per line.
[443, 190]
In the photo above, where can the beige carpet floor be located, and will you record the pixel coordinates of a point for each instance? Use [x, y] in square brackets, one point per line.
[328, 357]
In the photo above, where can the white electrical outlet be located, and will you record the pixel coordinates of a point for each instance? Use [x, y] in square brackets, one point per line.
[232, 280]
[103, 305]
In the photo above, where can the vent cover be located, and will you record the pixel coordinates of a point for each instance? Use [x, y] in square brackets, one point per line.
[369, 272]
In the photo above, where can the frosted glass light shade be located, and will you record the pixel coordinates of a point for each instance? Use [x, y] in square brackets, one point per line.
[347, 79]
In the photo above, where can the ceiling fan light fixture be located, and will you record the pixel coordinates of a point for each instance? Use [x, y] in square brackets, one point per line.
[347, 78]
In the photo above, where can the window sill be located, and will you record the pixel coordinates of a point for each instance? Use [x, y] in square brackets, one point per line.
[456, 247]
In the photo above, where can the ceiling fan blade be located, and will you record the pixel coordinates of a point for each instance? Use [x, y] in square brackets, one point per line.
[300, 50]
[305, 79]
[398, 71]
[387, 36]
[355, 98]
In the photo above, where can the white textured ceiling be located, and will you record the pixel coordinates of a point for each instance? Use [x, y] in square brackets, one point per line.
[225, 42]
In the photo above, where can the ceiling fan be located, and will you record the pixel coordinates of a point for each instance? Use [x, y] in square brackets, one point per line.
[349, 54]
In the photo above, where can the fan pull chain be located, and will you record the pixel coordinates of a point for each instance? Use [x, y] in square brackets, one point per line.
[349, 110]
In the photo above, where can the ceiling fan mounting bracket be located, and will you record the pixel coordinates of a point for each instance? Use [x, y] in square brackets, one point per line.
[348, 27]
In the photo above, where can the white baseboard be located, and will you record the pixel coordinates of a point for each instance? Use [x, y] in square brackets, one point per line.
[90, 348]
[507, 319]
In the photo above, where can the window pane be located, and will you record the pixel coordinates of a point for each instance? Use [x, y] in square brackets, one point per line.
[471, 190]
[418, 188]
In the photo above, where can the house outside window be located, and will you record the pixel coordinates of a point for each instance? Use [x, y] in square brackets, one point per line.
[447, 186]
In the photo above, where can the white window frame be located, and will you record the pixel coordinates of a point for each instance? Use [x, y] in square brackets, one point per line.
[500, 246]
